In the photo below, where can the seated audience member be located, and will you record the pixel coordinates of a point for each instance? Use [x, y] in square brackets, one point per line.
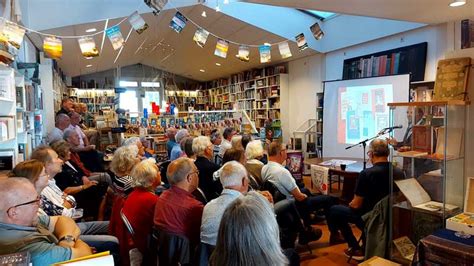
[93, 233]
[177, 211]
[86, 156]
[279, 176]
[187, 147]
[372, 185]
[66, 106]
[248, 234]
[202, 147]
[89, 194]
[227, 137]
[62, 122]
[176, 152]
[254, 152]
[125, 158]
[246, 139]
[135, 141]
[138, 209]
[216, 140]
[239, 156]
[53, 200]
[48, 239]
[83, 141]
[236, 142]
[170, 134]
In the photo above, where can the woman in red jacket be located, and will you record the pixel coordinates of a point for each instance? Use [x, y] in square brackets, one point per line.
[139, 208]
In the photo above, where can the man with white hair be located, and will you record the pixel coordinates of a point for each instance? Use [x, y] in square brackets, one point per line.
[235, 182]
[203, 149]
[75, 120]
[176, 151]
[48, 239]
[62, 123]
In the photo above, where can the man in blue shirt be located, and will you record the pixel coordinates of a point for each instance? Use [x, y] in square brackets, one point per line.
[47, 239]
[170, 134]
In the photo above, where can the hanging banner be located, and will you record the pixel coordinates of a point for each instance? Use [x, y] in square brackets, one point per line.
[222, 46]
[53, 47]
[200, 37]
[317, 31]
[244, 53]
[88, 47]
[301, 41]
[13, 34]
[137, 22]
[285, 51]
[115, 36]
[265, 53]
[178, 22]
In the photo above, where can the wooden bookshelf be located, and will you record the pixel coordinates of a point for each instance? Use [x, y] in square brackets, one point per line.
[95, 99]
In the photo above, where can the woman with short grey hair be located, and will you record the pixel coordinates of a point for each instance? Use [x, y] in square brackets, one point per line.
[249, 227]
[145, 173]
[125, 158]
[254, 152]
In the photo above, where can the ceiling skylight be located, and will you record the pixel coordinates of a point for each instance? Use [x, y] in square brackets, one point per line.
[319, 14]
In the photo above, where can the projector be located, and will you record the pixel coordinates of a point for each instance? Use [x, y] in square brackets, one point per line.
[156, 5]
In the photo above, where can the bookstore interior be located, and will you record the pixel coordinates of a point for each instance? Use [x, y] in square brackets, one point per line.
[164, 132]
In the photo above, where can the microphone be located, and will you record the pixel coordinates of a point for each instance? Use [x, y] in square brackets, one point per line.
[389, 129]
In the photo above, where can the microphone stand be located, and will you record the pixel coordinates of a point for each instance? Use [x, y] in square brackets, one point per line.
[364, 142]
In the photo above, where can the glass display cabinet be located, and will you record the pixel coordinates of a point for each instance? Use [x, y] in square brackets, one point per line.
[429, 148]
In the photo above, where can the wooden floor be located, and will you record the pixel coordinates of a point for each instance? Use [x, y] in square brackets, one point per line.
[322, 253]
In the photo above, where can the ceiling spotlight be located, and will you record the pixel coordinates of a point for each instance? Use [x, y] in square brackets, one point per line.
[202, 70]
[91, 30]
[89, 57]
[226, 2]
[218, 9]
[457, 3]
[267, 44]
[203, 14]
[317, 31]
[88, 65]
[218, 64]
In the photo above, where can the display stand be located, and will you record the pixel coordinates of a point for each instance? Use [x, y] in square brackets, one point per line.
[431, 152]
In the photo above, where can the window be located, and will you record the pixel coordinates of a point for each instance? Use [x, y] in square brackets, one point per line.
[146, 84]
[151, 96]
[322, 15]
[130, 84]
[128, 101]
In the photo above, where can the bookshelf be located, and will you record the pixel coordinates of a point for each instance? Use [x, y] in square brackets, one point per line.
[8, 122]
[95, 99]
[183, 99]
[259, 92]
[319, 124]
[404, 60]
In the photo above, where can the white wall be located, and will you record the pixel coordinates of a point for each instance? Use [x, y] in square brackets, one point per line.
[305, 77]
[434, 35]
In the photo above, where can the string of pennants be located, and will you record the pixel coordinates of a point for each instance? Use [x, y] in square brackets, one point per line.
[52, 44]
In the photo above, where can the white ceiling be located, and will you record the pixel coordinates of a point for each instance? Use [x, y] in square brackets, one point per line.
[165, 49]
[422, 11]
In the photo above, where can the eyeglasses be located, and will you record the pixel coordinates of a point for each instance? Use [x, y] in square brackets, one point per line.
[35, 201]
[195, 172]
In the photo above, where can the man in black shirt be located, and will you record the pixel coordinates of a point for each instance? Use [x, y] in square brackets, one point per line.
[372, 185]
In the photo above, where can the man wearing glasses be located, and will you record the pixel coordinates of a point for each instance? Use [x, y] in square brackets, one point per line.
[177, 211]
[48, 239]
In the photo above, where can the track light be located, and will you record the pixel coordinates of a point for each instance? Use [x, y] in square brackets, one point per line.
[203, 14]
[317, 31]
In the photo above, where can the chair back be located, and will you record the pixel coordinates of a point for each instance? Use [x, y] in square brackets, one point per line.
[136, 257]
[163, 168]
[172, 249]
[204, 253]
[273, 189]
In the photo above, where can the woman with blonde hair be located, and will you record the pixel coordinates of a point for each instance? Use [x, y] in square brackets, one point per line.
[139, 207]
[253, 153]
[125, 158]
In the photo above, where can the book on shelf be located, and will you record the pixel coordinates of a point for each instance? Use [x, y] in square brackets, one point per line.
[419, 198]
[7, 128]
[451, 79]
[467, 33]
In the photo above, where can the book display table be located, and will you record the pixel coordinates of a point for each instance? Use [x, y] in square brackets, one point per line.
[443, 247]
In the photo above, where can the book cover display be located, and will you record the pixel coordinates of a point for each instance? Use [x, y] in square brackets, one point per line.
[451, 79]
[88, 47]
[301, 42]
[294, 163]
[137, 22]
[265, 53]
[244, 53]
[178, 22]
[285, 51]
[53, 47]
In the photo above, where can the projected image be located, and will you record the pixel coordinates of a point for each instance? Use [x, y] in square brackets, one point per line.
[362, 111]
